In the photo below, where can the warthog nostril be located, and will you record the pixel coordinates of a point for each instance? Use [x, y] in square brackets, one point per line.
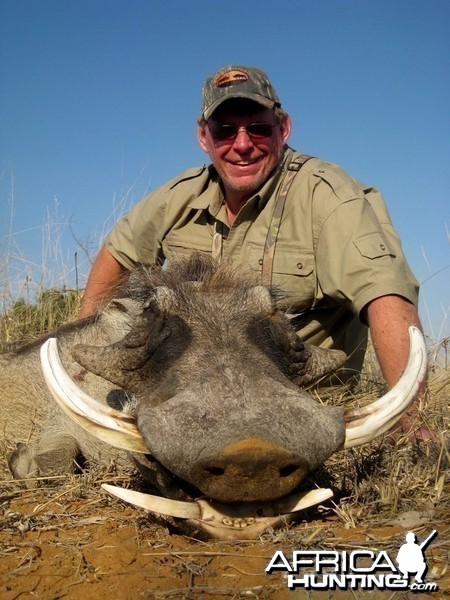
[288, 470]
[215, 471]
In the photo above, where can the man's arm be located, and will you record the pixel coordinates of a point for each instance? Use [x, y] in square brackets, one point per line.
[105, 273]
[389, 318]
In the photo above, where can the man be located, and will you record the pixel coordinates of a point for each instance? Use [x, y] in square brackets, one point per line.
[302, 223]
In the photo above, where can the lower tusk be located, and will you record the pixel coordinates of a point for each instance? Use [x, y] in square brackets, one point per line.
[366, 423]
[163, 506]
[244, 521]
[107, 424]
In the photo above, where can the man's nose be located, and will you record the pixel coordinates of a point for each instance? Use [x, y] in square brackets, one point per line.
[243, 142]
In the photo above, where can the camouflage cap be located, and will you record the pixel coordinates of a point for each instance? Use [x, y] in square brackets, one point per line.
[237, 82]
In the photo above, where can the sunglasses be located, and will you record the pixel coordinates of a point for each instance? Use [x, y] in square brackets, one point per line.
[228, 133]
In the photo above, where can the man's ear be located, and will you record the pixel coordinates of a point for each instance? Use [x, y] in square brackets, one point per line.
[201, 134]
[285, 128]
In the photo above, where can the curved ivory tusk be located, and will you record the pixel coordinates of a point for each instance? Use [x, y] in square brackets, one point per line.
[109, 425]
[163, 506]
[242, 521]
[366, 423]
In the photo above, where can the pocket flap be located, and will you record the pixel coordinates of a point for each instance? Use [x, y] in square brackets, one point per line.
[294, 263]
[373, 245]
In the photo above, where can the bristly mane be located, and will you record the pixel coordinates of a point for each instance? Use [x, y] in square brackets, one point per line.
[198, 267]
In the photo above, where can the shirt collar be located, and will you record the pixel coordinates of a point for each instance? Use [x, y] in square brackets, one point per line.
[212, 197]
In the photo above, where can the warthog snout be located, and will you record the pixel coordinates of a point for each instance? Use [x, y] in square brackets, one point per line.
[247, 470]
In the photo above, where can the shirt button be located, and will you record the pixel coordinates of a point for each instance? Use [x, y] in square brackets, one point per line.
[382, 246]
[260, 261]
[300, 266]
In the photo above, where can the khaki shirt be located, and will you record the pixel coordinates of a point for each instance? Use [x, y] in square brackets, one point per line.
[336, 249]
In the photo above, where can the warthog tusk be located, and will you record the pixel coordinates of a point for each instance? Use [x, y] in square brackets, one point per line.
[366, 423]
[163, 506]
[116, 428]
[244, 521]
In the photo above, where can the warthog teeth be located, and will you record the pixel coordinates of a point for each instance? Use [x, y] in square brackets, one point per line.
[107, 424]
[366, 423]
[244, 521]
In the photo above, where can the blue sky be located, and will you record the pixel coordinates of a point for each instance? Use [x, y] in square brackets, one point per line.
[98, 102]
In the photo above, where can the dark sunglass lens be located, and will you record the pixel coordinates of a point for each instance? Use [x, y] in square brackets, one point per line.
[222, 133]
[259, 130]
[227, 133]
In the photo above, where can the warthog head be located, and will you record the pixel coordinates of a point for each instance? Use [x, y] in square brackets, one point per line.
[217, 373]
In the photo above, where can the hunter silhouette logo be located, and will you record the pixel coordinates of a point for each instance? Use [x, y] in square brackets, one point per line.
[410, 557]
[359, 569]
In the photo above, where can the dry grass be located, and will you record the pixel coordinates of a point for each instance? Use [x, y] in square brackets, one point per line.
[23, 321]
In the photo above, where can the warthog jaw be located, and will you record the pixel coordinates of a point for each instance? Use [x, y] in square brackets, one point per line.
[244, 521]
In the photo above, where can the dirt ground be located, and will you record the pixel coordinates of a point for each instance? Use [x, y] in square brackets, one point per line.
[71, 540]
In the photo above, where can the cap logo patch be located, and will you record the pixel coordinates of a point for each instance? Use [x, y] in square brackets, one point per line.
[231, 77]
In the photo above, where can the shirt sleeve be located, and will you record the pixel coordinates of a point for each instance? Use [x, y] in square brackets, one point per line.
[135, 238]
[359, 254]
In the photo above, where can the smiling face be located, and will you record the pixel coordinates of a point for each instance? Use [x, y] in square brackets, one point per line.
[244, 162]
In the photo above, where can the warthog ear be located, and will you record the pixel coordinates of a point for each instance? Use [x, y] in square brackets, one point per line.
[259, 298]
[118, 317]
[135, 360]
[306, 364]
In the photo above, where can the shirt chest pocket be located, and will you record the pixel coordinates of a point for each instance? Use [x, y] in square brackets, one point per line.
[293, 272]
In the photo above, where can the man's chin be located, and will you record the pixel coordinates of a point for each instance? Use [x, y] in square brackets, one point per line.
[245, 185]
